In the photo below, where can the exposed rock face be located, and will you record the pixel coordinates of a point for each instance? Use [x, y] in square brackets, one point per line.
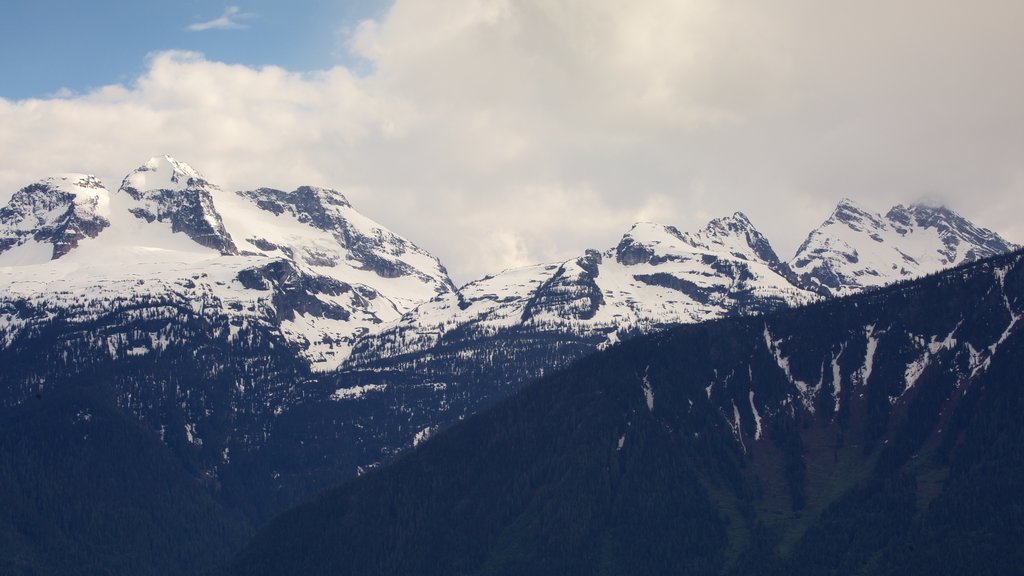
[61, 211]
[296, 293]
[571, 293]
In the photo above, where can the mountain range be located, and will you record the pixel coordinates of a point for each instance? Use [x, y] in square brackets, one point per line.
[261, 345]
[873, 434]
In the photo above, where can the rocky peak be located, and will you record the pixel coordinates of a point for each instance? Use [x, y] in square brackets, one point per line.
[167, 190]
[854, 216]
[855, 249]
[60, 210]
[642, 242]
[738, 236]
[925, 215]
[733, 236]
[571, 293]
[320, 208]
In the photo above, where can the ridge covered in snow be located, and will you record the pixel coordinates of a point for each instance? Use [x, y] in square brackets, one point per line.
[654, 277]
[304, 263]
[856, 249]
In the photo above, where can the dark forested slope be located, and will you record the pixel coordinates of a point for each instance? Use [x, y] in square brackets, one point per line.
[85, 490]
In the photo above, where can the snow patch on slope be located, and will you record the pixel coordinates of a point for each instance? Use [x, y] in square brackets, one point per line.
[357, 392]
[757, 417]
[869, 356]
[648, 393]
[805, 391]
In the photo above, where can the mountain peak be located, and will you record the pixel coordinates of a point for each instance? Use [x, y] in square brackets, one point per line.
[162, 173]
[642, 242]
[58, 211]
[926, 212]
[855, 216]
[739, 217]
[168, 190]
[157, 162]
[324, 196]
[733, 225]
[737, 235]
[856, 249]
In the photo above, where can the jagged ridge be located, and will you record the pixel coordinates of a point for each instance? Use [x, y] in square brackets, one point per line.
[856, 249]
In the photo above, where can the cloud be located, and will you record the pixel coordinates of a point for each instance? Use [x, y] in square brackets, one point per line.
[495, 133]
[229, 20]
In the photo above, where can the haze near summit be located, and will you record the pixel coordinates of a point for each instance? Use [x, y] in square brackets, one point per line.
[500, 133]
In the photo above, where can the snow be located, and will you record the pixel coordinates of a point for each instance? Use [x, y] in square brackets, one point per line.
[805, 391]
[1014, 317]
[28, 253]
[869, 356]
[736, 425]
[979, 359]
[423, 435]
[357, 392]
[162, 172]
[948, 343]
[837, 378]
[191, 436]
[648, 392]
[934, 346]
[757, 417]
[914, 371]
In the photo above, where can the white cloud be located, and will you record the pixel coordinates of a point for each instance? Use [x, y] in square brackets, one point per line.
[229, 20]
[496, 133]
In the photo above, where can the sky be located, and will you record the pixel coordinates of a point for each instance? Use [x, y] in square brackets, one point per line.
[500, 133]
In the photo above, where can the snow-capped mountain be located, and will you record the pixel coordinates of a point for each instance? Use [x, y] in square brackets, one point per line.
[304, 264]
[46, 220]
[462, 351]
[856, 249]
[655, 277]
